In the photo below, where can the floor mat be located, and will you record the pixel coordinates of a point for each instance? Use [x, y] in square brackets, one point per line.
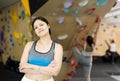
[116, 77]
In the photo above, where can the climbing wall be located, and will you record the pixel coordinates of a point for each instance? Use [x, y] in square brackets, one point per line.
[15, 31]
[68, 17]
[106, 33]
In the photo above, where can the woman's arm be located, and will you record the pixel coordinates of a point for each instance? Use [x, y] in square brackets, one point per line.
[95, 34]
[24, 67]
[52, 69]
[107, 43]
[55, 66]
[28, 68]
[29, 71]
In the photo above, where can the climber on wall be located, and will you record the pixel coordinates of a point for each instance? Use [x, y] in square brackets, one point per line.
[113, 55]
[83, 53]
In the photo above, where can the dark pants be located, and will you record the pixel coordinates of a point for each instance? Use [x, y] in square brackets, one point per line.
[111, 56]
[114, 56]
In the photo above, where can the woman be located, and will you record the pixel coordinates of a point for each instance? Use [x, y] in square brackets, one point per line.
[113, 55]
[83, 53]
[41, 59]
[84, 57]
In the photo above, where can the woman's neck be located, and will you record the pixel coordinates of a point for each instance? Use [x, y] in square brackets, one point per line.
[45, 39]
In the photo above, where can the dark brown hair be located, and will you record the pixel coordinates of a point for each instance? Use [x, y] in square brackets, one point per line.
[90, 40]
[42, 19]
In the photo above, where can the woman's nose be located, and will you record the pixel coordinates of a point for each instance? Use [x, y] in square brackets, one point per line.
[39, 28]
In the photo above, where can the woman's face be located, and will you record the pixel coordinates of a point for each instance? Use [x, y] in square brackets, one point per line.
[41, 28]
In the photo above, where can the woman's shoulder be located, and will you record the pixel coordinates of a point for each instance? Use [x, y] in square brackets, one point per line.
[58, 45]
[58, 49]
[29, 43]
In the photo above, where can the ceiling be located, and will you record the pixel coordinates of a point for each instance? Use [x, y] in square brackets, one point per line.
[5, 3]
[112, 17]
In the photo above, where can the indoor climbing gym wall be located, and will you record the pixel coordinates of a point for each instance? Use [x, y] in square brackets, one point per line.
[15, 31]
[68, 17]
[106, 33]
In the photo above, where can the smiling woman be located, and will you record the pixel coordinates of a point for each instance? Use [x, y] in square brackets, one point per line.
[41, 59]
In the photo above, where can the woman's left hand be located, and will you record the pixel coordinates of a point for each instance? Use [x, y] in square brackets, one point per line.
[53, 64]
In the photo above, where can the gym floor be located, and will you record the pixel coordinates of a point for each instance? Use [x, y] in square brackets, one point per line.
[101, 71]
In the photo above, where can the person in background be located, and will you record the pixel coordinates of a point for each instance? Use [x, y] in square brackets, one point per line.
[84, 56]
[113, 55]
[83, 53]
[107, 56]
[42, 58]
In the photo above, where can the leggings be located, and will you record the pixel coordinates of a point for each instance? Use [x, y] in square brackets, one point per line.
[114, 56]
[86, 61]
[27, 79]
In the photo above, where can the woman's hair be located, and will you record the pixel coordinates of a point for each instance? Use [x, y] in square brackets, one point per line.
[112, 41]
[90, 40]
[42, 19]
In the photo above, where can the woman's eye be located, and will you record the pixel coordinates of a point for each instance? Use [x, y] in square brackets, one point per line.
[35, 27]
[41, 25]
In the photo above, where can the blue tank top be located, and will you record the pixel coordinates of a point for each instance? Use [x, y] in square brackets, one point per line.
[39, 58]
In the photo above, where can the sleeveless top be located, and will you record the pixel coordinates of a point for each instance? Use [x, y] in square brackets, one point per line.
[86, 53]
[39, 58]
[113, 47]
